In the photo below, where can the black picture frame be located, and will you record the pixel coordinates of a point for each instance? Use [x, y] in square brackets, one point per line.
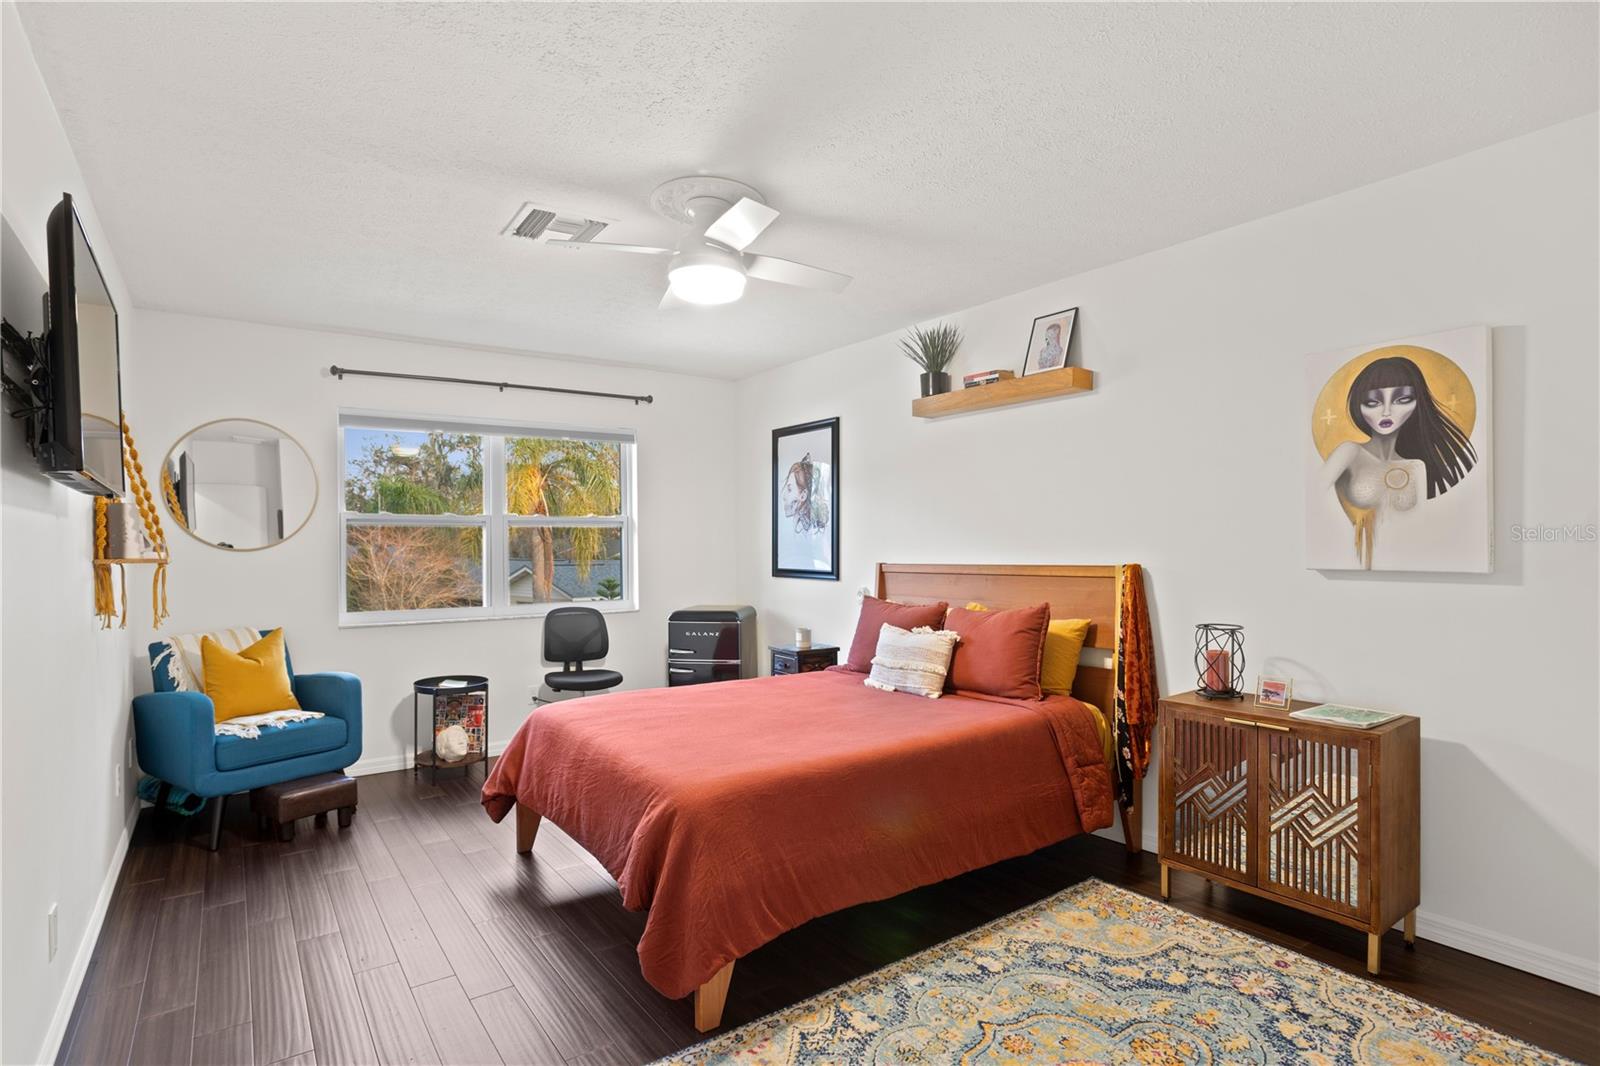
[1066, 345]
[779, 476]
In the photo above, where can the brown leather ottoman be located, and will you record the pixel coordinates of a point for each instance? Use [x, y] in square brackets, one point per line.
[283, 804]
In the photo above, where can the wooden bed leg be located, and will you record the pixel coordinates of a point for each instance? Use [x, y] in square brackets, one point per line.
[709, 999]
[527, 828]
[1133, 827]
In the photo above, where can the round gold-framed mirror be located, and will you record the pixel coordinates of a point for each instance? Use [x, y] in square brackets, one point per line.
[239, 484]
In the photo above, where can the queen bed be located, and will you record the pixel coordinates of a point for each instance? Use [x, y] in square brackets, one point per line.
[737, 811]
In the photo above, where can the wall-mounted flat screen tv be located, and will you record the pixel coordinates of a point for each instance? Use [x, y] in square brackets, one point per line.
[82, 441]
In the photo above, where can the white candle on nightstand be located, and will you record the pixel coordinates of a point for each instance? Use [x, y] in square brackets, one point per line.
[802, 638]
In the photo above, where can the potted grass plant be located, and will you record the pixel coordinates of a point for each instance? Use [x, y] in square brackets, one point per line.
[933, 349]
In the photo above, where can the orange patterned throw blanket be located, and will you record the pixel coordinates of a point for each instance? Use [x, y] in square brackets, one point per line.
[1135, 714]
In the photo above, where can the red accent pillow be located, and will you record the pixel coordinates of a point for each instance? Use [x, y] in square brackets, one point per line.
[1000, 652]
[875, 612]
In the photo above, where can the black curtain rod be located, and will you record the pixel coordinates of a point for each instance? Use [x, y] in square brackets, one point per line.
[340, 372]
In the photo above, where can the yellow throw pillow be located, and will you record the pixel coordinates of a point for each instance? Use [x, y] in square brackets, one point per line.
[252, 681]
[1063, 642]
[975, 606]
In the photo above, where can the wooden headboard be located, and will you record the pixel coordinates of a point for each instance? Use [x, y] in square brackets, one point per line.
[1071, 591]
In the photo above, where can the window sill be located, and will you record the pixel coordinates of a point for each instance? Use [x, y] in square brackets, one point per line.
[424, 619]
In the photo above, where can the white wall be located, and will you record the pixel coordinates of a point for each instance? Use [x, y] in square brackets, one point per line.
[64, 717]
[199, 369]
[1198, 351]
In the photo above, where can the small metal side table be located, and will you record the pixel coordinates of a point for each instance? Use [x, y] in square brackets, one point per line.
[447, 685]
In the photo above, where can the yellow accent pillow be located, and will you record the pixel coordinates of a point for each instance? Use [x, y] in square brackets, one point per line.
[1063, 643]
[975, 606]
[252, 681]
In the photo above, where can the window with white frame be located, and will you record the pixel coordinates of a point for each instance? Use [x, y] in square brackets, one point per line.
[444, 519]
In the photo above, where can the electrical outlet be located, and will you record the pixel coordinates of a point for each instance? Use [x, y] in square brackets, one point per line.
[50, 925]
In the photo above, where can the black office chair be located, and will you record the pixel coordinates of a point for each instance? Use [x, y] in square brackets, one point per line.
[572, 637]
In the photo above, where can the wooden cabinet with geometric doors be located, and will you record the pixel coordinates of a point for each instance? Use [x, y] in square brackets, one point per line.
[1320, 817]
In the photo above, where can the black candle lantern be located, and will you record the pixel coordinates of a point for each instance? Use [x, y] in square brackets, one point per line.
[1219, 660]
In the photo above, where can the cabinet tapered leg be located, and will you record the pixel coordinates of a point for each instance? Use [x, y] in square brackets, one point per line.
[1411, 929]
[1166, 882]
[1374, 953]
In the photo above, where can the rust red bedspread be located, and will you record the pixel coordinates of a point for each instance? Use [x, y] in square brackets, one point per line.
[737, 811]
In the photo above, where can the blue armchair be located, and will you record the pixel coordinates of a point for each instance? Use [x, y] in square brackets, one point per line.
[177, 743]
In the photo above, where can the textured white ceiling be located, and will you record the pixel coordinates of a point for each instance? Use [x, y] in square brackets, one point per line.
[351, 166]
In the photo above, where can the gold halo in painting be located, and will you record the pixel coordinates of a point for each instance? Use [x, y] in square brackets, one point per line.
[1452, 391]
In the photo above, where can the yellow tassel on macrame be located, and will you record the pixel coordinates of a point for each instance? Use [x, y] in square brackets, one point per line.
[105, 599]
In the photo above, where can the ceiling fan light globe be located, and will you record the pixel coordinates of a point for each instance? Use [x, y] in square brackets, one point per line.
[707, 284]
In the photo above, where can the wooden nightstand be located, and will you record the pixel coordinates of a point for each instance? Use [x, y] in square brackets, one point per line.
[788, 659]
[1320, 817]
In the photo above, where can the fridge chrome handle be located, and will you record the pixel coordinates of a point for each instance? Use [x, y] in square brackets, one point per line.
[679, 651]
[677, 670]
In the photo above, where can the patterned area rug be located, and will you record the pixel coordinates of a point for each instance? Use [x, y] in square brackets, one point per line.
[1097, 974]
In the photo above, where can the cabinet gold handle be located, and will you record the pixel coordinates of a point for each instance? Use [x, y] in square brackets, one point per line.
[1251, 721]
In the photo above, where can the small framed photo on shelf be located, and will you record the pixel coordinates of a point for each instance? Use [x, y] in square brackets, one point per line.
[1049, 341]
[1274, 692]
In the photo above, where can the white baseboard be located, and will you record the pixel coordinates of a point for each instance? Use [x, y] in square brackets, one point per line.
[382, 764]
[51, 1048]
[1535, 959]
[1540, 961]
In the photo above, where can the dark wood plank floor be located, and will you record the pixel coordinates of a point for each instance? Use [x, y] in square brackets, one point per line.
[417, 935]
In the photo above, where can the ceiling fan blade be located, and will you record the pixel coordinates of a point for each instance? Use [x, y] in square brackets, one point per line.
[741, 224]
[642, 249]
[767, 268]
[671, 302]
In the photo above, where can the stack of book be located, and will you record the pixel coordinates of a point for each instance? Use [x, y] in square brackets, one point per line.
[985, 377]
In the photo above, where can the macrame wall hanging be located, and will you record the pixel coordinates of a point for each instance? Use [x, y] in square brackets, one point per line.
[119, 540]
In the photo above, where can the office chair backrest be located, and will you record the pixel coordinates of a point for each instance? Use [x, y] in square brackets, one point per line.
[575, 635]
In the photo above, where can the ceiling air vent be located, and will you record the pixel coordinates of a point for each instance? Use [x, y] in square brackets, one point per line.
[543, 224]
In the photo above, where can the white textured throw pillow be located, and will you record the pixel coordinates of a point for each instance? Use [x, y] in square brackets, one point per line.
[912, 661]
[451, 743]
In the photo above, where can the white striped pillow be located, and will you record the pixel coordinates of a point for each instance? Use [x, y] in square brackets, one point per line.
[913, 661]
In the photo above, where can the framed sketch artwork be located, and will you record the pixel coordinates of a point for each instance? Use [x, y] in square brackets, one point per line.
[1397, 467]
[805, 500]
[1049, 341]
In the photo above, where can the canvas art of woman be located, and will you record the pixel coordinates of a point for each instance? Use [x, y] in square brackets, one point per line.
[1393, 428]
[805, 497]
[1051, 354]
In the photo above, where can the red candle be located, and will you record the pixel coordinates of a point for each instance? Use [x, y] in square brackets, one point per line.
[1218, 676]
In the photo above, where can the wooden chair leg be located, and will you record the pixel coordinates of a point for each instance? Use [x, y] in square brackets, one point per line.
[1166, 882]
[710, 998]
[217, 805]
[527, 828]
[1374, 953]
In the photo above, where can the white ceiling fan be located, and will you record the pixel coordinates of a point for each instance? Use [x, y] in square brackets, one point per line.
[710, 265]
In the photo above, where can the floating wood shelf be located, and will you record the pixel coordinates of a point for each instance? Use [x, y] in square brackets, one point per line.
[1005, 393]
